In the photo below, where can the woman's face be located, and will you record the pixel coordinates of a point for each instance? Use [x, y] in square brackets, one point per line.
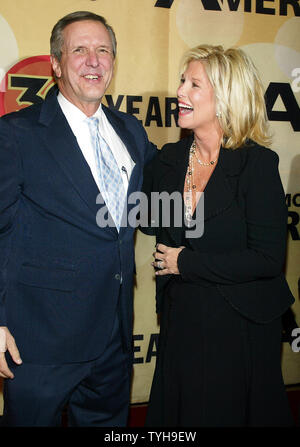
[196, 99]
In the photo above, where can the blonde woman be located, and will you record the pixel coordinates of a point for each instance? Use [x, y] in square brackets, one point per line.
[221, 295]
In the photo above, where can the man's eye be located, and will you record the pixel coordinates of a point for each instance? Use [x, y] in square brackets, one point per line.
[103, 50]
[80, 50]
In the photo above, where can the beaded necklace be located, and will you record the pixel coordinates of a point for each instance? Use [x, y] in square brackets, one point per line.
[190, 183]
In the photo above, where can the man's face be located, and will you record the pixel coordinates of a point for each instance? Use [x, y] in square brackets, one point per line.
[86, 66]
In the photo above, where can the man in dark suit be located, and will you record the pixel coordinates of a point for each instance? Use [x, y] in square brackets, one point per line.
[66, 273]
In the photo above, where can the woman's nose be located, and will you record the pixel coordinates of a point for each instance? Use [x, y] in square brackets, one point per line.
[180, 91]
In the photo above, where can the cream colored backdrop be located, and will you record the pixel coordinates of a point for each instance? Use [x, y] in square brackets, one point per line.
[152, 36]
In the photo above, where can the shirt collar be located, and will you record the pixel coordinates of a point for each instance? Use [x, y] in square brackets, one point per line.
[73, 114]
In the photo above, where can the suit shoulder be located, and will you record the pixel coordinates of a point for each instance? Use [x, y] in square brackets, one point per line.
[124, 116]
[167, 154]
[21, 117]
[171, 150]
[176, 144]
[250, 156]
[257, 152]
[260, 166]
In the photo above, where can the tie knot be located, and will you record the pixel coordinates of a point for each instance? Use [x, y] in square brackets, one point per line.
[93, 123]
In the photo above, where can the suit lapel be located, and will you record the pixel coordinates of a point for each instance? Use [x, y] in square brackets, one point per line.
[220, 190]
[175, 163]
[120, 129]
[128, 139]
[62, 144]
[130, 142]
[217, 194]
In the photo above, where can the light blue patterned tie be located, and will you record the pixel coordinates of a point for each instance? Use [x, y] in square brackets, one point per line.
[111, 183]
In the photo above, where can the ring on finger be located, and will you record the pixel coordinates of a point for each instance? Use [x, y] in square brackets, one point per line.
[159, 265]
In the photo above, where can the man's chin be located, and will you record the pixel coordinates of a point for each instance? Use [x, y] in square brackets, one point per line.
[92, 95]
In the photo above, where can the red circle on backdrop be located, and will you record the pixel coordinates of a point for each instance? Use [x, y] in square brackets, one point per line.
[36, 66]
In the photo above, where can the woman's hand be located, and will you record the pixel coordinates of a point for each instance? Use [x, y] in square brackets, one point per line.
[166, 260]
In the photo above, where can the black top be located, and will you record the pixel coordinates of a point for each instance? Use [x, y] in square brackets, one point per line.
[242, 249]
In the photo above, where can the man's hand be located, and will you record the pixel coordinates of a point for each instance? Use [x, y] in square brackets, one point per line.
[7, 343]
[166, 260]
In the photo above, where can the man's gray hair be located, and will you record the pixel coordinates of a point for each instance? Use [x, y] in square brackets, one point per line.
[57, 39]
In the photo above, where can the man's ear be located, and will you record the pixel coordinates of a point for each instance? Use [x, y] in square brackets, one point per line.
[55, 66]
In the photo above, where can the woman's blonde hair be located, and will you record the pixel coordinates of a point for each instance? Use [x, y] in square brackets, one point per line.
[238, 91]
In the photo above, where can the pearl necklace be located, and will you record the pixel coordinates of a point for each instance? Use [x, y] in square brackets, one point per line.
[188, 197]
[201, 163]
[191, 186]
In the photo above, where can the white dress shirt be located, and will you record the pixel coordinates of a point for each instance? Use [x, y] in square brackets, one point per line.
[78, 123]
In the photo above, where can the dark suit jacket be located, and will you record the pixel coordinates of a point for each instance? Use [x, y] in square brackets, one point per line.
[242, 249]
[59, 271]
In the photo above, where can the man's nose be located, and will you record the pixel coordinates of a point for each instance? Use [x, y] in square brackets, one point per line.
[92, 58]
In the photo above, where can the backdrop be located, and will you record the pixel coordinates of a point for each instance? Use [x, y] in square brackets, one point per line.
[152, 37]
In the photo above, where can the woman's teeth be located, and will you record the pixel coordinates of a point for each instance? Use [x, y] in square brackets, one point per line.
[185, 106]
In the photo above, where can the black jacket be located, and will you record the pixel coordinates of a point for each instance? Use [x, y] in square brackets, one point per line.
[59, 271]
[242, 249]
